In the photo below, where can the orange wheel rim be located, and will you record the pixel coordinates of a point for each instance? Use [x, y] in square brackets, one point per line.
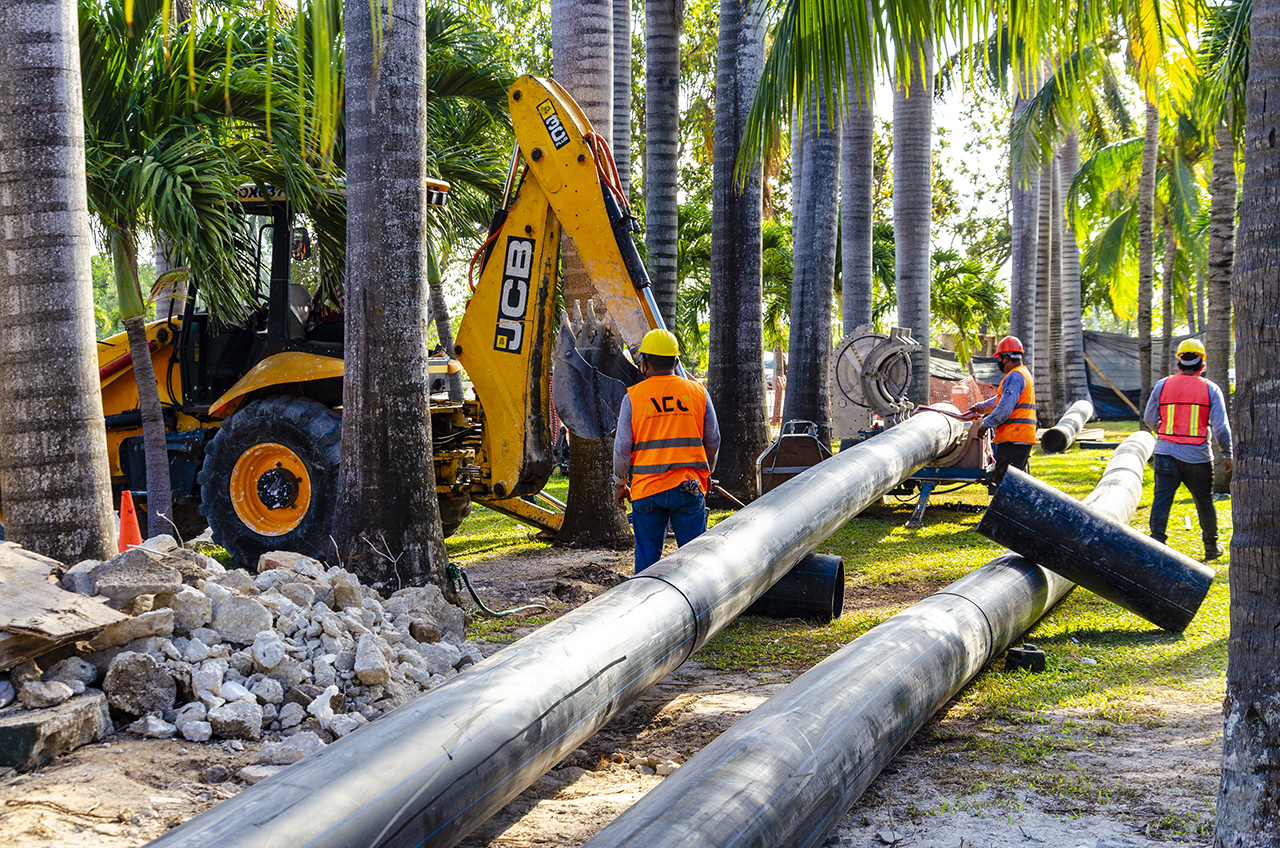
[270, 489]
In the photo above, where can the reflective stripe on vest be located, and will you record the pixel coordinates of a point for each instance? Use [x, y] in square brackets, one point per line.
[1184, 410]
[666, 428]
[1021, 424]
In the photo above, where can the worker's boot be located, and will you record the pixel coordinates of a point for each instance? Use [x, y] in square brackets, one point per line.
[1211, 551]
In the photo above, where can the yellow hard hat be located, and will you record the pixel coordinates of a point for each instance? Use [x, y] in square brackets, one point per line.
[660, 343]
[1192, 346]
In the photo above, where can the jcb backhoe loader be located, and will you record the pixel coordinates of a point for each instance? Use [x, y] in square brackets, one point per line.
[253, 413]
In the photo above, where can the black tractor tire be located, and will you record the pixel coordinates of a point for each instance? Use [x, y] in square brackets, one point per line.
[306, 435]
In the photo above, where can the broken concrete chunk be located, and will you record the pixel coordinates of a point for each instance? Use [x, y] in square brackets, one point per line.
[163, 543]
[291, 715]
[268, 649]
[197, 731]
[237, 720]
[289, 751]
[73, 668]
[288, 561]
[7, 693]
[137, 684]
[441, 657]
[346, 723]
[427, 602]
[268, 691]
[322, 706]
[79, 577]
[152, 727]
[239, 619]
[371, 665]
[191, 609]
[237, 580]
[36, 694]
[30, 738]
[424, 631]
[155, 623]
[301, 594]
[135, 572]
[257, 774]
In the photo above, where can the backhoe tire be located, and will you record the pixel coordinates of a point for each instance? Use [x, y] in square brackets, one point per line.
[270, 478]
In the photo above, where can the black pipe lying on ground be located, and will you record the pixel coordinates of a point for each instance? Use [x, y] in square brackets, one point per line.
[813, 591]
[1063, 434]
[428, 773]
[788, 773]
[1108, 558]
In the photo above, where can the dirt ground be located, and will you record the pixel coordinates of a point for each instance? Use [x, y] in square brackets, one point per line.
[1146, 781]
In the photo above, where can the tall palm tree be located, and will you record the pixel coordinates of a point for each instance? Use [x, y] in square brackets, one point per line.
[621, 139]
[162, 158]
[815, 219]
[736, 375]
[1076, 381]
[1046, 255]
[1146, 244]
[1222, 231]
[913, 206]
[387, 523]
[1247, 812]
[857, 161]
[55, 486]
[582, 50]
[1024, 205]
[662, 149]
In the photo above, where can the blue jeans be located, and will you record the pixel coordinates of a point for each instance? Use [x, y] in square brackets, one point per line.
[686, 511]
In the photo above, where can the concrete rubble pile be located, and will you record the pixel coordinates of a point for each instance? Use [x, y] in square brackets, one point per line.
[299, 653]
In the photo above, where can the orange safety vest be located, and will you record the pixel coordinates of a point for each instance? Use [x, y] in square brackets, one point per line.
[666, 429]
[1021, 424]
[1184, 410]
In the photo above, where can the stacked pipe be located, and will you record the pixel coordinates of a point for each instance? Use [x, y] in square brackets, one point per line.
[431, 771]
[1063, 434]
[788, 773]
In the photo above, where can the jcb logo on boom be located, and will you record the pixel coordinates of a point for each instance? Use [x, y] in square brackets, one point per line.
[513, 302]
[559, 135]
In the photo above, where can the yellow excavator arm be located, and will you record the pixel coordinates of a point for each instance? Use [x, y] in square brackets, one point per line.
[568, 184]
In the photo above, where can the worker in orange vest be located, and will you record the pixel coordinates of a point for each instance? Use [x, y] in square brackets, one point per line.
[1183, 409]
[1012, 412]
[666, 446]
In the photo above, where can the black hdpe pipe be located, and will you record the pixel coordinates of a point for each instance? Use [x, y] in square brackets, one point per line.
[813, 591]
[1106, 557]
[429, 772]
[788, 773]
[1063, 434]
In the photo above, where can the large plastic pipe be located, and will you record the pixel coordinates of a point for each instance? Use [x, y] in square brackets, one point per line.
[1108, 558]
[813, 591]
[1063, 434]
[428, 773]
[788, 773]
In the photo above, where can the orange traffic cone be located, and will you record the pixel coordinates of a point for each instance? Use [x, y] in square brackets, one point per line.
[130, 535]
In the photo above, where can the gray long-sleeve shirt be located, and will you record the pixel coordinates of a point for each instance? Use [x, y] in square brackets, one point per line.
[624, 439]
[1217, 423]
[999, 408]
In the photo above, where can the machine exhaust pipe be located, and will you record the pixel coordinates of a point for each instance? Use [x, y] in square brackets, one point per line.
[788, 773]
[1063, 434]
[1108, 558]
[429, 772]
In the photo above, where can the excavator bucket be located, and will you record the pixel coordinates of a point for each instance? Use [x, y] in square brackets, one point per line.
[591, 375]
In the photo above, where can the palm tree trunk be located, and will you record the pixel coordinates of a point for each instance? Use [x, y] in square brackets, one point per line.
[1248, 815]
[735, 377]
[1222, 233]
[1076, 380]
[156, 453]
[582, 49]
[1166, 296]
[856, 203]
[1041, 354]
[816, 215]
[1024, 222]
[621, 138]
[1056, 386]
[387, 523]
[913, 208]
[1146, 246]
[662, 150]
[55, 485]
